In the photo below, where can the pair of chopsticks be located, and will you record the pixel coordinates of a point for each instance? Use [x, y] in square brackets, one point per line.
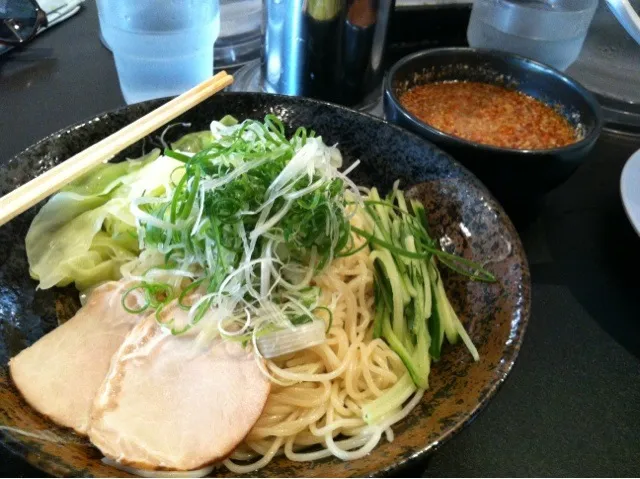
[29, 194]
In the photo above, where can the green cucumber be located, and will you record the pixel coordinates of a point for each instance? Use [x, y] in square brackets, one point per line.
[447, 319]
[435, 327]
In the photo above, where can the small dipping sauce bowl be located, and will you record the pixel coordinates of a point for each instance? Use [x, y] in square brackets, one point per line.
[517, 177]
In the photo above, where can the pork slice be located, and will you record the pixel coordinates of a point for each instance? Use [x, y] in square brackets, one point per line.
[59, 375]
[170, 402]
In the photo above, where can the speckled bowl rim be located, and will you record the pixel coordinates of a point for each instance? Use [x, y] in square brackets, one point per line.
[501, 371]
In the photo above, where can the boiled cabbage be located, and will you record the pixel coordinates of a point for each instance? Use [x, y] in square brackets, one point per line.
[193, 142]
[85, 233]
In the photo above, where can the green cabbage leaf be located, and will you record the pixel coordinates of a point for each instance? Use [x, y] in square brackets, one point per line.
[86, 232]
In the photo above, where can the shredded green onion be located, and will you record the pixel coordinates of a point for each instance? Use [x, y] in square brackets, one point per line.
[254, 213]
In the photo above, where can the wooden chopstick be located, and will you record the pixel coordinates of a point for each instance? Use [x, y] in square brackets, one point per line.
[29, 194]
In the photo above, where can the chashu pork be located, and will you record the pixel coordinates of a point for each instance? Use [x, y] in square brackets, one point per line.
[171, 402]
[59, 375]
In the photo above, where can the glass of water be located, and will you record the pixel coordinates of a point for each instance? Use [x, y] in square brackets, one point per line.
[550, 31]
[161, 47]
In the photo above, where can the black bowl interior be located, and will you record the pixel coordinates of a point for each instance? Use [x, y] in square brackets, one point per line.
[512, 71]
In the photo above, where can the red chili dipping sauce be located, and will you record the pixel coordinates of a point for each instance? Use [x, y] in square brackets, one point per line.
[489, 114]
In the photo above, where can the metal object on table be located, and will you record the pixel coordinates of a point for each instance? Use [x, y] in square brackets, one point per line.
[240, 39]
[609, 66]
[326, 49]
[249, 79]
[627, 16]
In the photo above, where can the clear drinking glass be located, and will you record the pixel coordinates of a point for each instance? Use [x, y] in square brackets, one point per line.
[550, 31]
[161, 47]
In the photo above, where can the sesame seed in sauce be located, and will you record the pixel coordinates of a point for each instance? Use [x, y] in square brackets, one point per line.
[489, 114]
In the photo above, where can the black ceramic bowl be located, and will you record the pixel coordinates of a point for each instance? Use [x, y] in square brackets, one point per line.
[516, 177]
[459, 207]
